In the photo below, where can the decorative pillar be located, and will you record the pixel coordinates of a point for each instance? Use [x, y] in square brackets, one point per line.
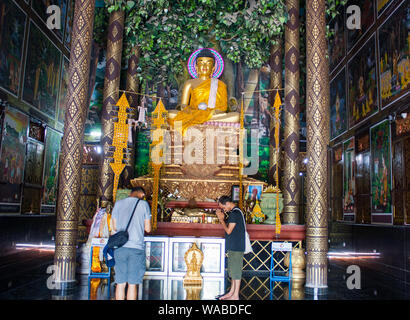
[275, 83]
[110, 98]
[317, 117]
[291, 132]
[72, 144]
[131, 86]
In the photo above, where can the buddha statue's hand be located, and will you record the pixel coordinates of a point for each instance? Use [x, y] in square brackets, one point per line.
[202, 106]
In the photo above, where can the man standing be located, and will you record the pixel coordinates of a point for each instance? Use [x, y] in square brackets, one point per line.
[130, 258]
[234, 243]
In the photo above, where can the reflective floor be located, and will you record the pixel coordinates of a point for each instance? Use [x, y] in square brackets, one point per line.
[25, 276]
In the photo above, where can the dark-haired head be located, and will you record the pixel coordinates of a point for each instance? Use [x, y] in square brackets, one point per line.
[224, 200]
[138, 192]
[205, 53]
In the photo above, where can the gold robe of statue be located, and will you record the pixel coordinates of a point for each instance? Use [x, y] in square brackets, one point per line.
[191, 115]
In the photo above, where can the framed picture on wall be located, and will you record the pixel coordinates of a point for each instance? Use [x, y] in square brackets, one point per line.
[337, 41]
[254, 192]
[12, 23]
[40, 8]
[235, 193]
[394, 46]
[63, 89]
[349, 181]
[338, 109]
[42, 72]
[380, 173]
[362, 84]
[381, 5]
[366, 21]
[51, 162]
[12, 155]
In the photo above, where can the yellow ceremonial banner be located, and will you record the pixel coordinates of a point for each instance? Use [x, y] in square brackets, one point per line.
[119, 141]
[276, 109]
[159, 125]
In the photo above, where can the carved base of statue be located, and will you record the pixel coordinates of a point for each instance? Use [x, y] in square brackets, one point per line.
[193, 291]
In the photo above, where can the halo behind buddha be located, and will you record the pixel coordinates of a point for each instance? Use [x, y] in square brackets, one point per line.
[219, 63]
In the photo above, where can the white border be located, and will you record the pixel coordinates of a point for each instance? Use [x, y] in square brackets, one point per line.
[377, 84]
[21, 71]
[165, 253]
[391, 174]
[198, 240]
[25, 64]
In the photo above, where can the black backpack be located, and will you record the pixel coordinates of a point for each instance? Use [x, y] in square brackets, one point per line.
[121, 237]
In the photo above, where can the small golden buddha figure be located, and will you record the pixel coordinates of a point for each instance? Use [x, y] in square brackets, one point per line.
[201, 97]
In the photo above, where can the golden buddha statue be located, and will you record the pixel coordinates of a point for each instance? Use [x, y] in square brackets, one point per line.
[203, 98]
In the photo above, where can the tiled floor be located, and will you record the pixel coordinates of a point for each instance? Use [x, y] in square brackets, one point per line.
[19, 282]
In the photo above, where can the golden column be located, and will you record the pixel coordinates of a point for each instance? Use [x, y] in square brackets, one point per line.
[110, 98]
[275, 83]
[317, 118]
[72, 144]
[291, 133]
[131, 86]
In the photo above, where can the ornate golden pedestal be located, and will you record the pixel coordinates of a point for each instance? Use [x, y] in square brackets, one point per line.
[204, 165]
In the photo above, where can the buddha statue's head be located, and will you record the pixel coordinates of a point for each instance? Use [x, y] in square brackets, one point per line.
[205, 64]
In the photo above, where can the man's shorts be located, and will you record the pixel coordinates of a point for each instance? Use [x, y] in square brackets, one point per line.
[129, 265]
[235, 263]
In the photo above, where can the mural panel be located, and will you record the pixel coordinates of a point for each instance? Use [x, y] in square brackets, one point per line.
[33, 173]
[42, 73]
[51, 161]
[380, 168]
[382, 4]
[13, 152]
[337, 43]
[367, 19]
[63, 90]
[12, 22]
[348, 180]
[362, 78]
[69, 23]
[338, 112]
[394, 42]
[40, 7]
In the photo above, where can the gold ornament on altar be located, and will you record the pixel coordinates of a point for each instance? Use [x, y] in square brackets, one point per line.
[257, 215]
[193, 259]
